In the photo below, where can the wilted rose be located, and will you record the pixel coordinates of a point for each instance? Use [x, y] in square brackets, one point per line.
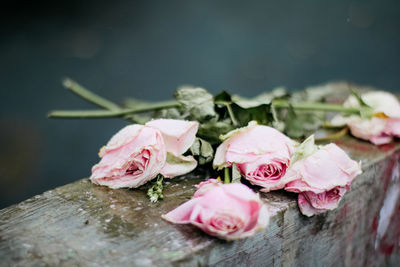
[321, 179]
[261, 153]
[227, 211]
[137, 153]
[133, 156]
[385, 123]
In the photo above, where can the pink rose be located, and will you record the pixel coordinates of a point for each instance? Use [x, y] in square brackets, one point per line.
[321, 179]
[137, 153]
[383, 126]
[227, 211]
[261, 153]
[133, 156]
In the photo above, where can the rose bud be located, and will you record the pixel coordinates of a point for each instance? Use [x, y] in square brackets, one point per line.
[384, 124]
[321, 179]
[133, 156]
[227, 211]
[261, 153]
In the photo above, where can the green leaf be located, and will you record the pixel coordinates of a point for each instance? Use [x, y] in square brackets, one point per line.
[302, 123]
[203, 150]
[293, 126]
[245, 110]
[361, 102]
[305, 149]
[210, 131]
[262, 99]
[197, 102]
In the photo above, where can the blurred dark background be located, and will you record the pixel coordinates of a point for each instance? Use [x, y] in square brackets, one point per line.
[146, 49]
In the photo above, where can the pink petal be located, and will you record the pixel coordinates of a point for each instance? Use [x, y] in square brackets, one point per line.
[320, 171]
[124, 136]
[344, 162]
[179, 135]
[393, 127]
[220, 156]
[258, 140]
[182, 165]
[306, 208]
[182, 213]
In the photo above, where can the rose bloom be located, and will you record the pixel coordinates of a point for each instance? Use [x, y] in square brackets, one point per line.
[227, 211]
[133, 156]
[137, 153]
[383, 126]
[321, 179]
[261, 153]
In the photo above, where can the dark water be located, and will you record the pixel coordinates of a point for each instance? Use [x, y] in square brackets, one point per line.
[146, 49]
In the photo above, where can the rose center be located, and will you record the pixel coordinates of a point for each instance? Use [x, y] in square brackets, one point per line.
[138, 163]
[269, 171]
[226, 223]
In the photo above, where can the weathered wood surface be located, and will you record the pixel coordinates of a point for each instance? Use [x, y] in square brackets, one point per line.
[82, 224]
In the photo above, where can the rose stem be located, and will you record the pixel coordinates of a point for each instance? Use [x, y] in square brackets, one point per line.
[227, 179]
[318, 106]
[113, 110]
[88, 95]
[232, 115]
[82, 114]
[230, 111]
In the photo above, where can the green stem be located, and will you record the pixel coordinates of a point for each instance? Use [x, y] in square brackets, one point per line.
[230, 111]
[88, 95]
[227, 178]
[83, 114]
[232, 115]
[318, 106]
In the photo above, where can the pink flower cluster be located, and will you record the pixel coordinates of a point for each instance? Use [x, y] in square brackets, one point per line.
[263, 156]
[138, 153]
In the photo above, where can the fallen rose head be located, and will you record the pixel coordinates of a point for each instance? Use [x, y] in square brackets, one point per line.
[227, 211]
[384, 124]
[321, 179]
[261, 153]
[133, 156]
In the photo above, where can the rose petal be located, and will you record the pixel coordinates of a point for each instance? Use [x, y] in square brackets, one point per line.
[344, 162]
[182, 213]
[124, 136]
[178, 135]
[178, 165]
[306, 208]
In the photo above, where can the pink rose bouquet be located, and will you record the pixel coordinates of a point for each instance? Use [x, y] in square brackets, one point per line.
[385, 123]
[137, 153]
[227, 211]
[321, 179]
[261, 153]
